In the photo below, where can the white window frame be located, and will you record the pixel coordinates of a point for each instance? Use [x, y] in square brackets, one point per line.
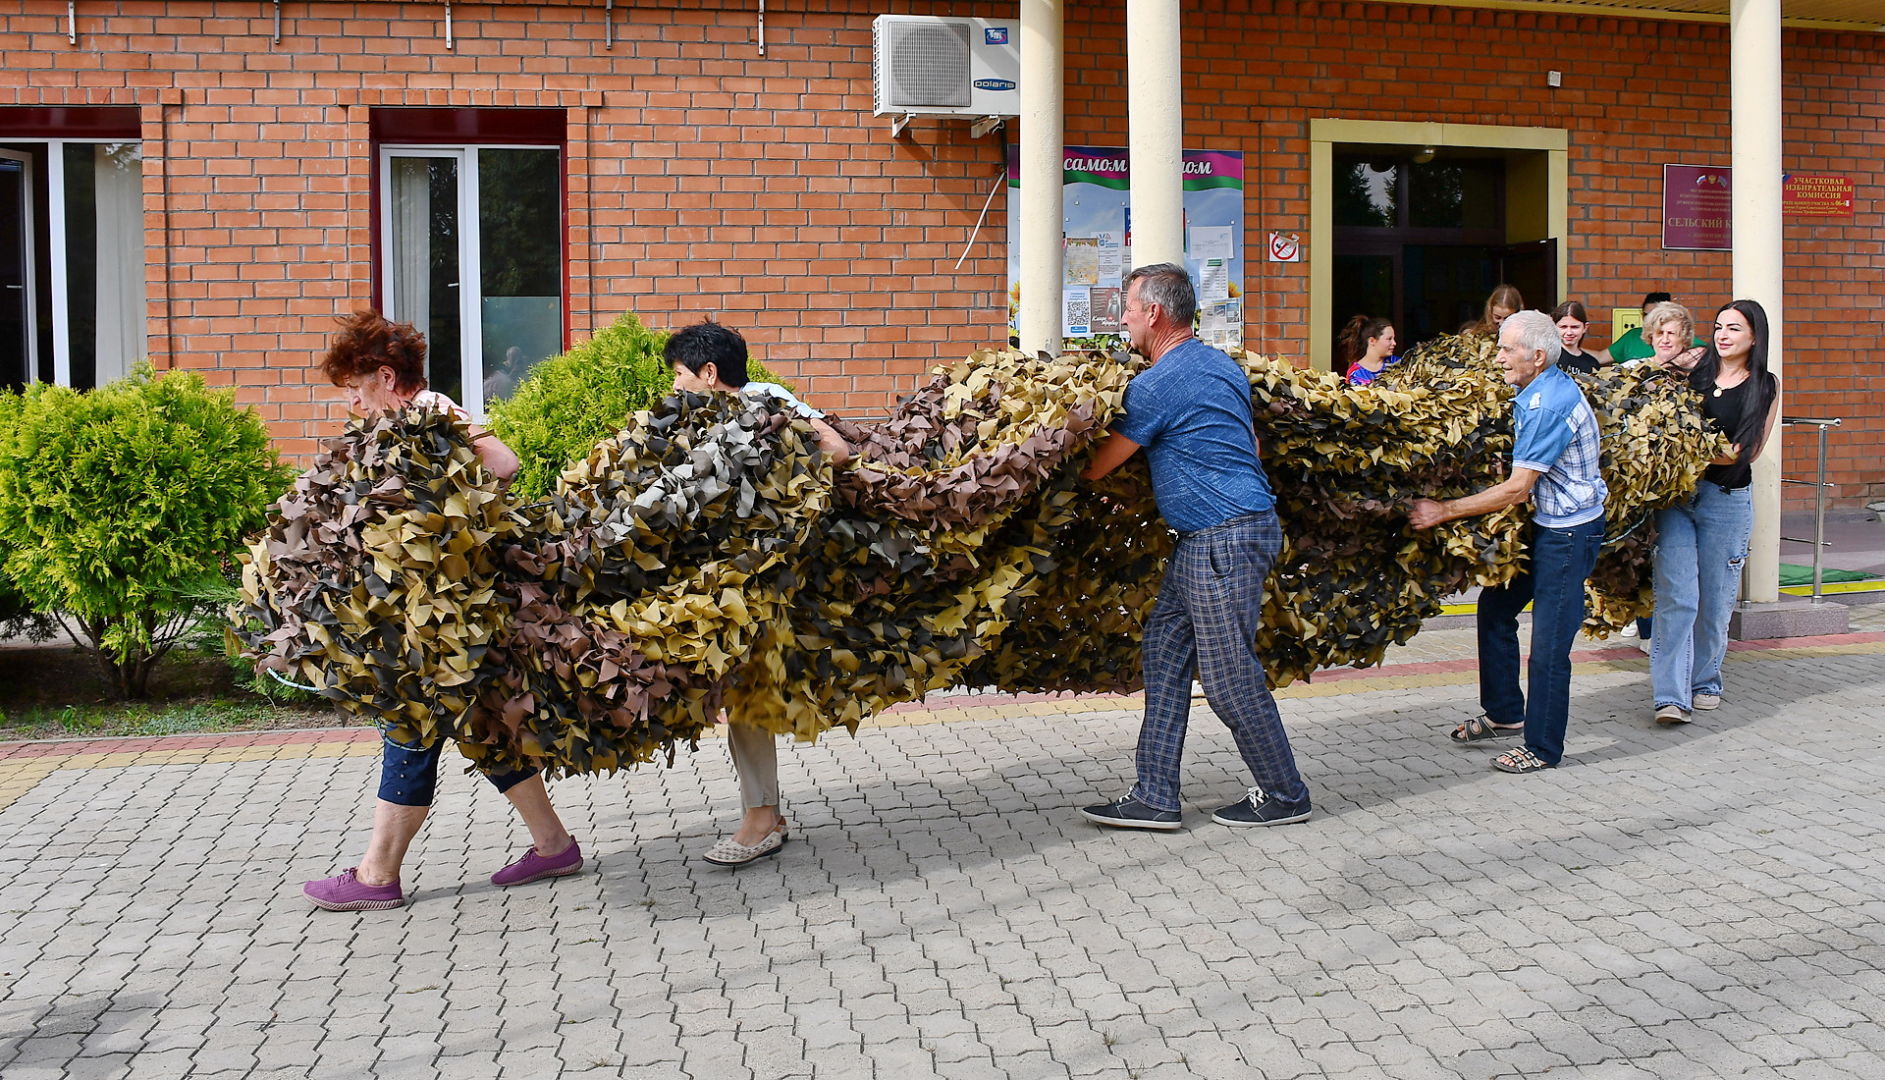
[56, 257]
[470, 265]
[55, 235]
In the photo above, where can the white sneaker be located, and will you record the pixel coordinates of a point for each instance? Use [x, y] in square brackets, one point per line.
[1706, 702]
[1629, 629]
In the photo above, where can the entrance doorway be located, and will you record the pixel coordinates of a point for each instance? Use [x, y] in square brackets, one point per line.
[1423, 234]
[1416, 222]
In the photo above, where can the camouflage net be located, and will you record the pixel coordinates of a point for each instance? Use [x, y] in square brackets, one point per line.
[707, 557]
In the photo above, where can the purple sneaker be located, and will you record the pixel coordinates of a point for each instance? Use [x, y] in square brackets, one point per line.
[345, 892]
[535, 867]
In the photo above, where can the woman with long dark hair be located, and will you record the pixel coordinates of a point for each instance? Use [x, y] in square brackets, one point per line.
[1367, 346]
[1703, 543]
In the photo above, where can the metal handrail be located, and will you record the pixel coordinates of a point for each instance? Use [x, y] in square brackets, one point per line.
[1819, 485]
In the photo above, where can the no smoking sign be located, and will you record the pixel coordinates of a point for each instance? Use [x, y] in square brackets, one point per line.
[1285, 247]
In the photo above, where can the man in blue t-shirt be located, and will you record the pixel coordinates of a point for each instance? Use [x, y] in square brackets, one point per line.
[1554, 464]
[1190, 411]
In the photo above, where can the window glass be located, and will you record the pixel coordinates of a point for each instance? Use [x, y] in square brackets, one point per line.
[521, 261]
[1367, 193]
[104, 260]
[474, 258]
[72, 262]
[1455, 194]
[423, 276]
[17, 332]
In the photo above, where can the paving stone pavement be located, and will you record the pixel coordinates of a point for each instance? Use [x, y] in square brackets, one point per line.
[1701, 902]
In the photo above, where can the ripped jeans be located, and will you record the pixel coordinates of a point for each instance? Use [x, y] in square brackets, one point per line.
[1700, 549]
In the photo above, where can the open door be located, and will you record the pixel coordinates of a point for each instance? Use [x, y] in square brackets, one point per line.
[1533, 268]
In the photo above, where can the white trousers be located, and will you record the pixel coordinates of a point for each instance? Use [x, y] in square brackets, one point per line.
[755, 754]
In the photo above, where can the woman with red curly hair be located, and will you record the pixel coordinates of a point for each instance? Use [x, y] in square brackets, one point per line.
[381, 365]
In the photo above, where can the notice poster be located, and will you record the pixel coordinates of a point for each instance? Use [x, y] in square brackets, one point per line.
[1096, 227]
[1080, 260]
[1106, 302]
[1697, 208]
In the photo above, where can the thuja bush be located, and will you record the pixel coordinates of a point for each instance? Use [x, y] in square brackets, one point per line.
[121, 507]
[571, 402]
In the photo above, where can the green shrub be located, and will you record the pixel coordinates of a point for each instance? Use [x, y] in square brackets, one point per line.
[118, 505]
[17, 617]
[569, 403]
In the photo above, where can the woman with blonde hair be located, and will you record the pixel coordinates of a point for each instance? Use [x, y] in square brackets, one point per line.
[1669, 331]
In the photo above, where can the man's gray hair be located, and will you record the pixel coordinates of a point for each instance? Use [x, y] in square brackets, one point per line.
[1168, 286]
[1536, 332]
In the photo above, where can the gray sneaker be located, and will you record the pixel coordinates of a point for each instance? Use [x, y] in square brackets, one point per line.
[1261, 808]
[1130, 813]
[1706, 702]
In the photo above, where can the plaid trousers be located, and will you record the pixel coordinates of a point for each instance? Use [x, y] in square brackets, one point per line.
[1205, 621]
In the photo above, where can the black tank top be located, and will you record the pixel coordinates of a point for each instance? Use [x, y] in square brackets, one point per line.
[1728, 411]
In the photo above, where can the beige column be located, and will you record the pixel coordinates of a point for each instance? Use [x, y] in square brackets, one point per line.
[1043, 146]
[1754, 66]
[1155, 131]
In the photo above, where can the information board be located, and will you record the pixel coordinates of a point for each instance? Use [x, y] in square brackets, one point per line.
[1096, 230]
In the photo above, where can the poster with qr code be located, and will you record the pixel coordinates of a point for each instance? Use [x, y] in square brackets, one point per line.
[1076, 311]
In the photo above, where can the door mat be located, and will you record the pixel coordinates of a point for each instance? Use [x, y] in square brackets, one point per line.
[1803, 575]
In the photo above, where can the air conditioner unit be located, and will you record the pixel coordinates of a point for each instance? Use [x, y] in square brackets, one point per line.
[926, 65]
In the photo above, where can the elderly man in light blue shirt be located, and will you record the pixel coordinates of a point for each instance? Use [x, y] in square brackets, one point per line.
[1555, 465]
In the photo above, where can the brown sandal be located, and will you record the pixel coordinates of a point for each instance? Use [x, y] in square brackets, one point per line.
[1481, 728]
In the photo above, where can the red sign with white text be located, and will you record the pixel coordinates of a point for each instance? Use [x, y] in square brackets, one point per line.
[1811, 195]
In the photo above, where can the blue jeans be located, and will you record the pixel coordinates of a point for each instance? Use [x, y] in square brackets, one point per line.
[1209, 607]
[409, 774]
[1700, 549]
[1557, 562]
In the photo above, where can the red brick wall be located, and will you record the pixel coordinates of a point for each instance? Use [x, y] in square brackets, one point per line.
[706, 178]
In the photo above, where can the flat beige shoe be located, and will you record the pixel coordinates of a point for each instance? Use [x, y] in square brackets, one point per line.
[729, 852]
